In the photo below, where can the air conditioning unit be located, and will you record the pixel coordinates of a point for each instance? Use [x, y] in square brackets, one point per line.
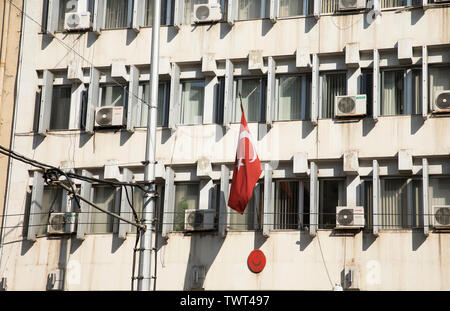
[441, 217]
[199, 220]
[110, 116]
[347, 106]
[62, 223]
[349, 217]
[206, 13]
[75, 21]
[442, 102]
[346, 5]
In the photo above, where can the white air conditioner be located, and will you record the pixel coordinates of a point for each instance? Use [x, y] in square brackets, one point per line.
[74, 21]
[349, 217]
[441, 102]
[206, 13]
[110, 116]
[441, 216]
[347, 106]
[345, 5]
[198, 220]
[62, 223]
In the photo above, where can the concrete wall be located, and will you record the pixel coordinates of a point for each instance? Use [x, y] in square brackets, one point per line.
[396, 260]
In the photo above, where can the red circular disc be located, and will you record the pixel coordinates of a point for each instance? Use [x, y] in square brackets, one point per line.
[256, 261]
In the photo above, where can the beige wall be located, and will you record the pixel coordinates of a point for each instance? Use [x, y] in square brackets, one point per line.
[10, 26]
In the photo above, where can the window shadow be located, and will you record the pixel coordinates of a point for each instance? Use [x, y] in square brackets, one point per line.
[37, 140]
[47, 39]
[258, 240]
[75, 244]
[116, 243]
[263, 129]
[84, 138]
[166, 133]
[221, 131]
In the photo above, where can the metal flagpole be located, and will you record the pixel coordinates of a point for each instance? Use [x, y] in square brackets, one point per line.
[144, 276]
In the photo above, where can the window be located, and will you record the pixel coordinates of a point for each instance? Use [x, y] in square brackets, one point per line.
[439, 80]
[163, 105]
[332, 193]
[105, 197]
[392, 83]
[253, 92]
[401, 203]
[62, 13]
[333, 84]
[137, 196]
[60, 108]
[219, 100]
[252, 216]
[294, 98]
[416, 85]
[113, 95]
[186, 197]
[118, 14]
[166, 12]
[192, 102]
[392, 3]
[287, 199]
[52, 200]
[367, 198]
[253, 9]
[367, 88]
[296, 7]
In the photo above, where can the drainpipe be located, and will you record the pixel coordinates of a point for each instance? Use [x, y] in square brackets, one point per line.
[13, 130]
[145, 251]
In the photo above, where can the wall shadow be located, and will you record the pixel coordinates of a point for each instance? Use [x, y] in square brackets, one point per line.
[92, 37]
[204, 248]
[75, 244]
[220, 132]
[225, 28]
[166, 133]
[266, 26]
[37, 140]
[131, 36]
[124, 137]
[367, 239]
[416, 15]
[84, 138]
[367, 126]
[418, 237]
[305, 239]
[263, 129]
[171, 33]
[416, 123]
[116, 243]
[47, 39]
[258, 239]
[307, 128]
[310, 22]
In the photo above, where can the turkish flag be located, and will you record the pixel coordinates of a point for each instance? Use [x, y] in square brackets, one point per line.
[247, 170]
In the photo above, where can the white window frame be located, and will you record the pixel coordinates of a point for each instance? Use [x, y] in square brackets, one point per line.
[304, 101]
[140, 103]
[236, 101]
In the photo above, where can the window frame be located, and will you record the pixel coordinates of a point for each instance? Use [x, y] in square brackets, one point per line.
[115, 222]
[322, 74]
[320, 207]
[264, 12]
[305, 100]
[258, 213]
[176, 210]
[181, 112]
[142, 86]
[129, 13]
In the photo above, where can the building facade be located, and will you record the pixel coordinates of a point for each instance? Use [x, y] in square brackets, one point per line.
[346, 103]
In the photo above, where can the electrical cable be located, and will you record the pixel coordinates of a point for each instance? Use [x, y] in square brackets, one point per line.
[143, 101]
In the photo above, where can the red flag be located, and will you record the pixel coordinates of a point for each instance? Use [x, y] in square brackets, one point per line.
[247, 170]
